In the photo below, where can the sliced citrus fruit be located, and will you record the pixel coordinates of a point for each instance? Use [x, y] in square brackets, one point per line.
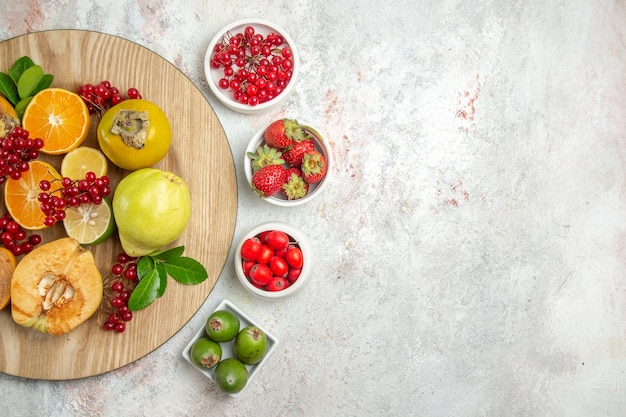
[89, 223]
[59, 117]
[80, 161]
[21, 196]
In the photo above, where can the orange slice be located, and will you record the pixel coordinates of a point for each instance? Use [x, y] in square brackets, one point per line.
[59, 117]
[21, 196]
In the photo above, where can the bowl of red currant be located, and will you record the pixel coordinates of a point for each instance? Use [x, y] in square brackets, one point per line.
[251, 65]
[274, 260]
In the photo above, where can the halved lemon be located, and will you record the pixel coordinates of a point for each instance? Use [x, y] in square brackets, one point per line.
[90, 223]
[84, 159]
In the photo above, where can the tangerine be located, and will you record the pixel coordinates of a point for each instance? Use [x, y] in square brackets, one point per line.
[59, 117]
[21, 196]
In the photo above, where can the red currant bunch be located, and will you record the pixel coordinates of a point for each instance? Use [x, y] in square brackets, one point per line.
[118, 292]
[256, 68]
[16, 151]
[99, 98]
[14, 237]
[71, 193]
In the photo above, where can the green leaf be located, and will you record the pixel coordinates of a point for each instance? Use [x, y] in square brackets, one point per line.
[186, 270]
[8, 88]
[164, 255]
[18, 68]
[162, 273]
[145, 292]
[144, 266]
[46, 81]
[29, 81]
[21, 106]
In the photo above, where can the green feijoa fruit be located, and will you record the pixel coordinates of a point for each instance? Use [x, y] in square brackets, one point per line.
[206, 353]
[231, 375]
[222, 326]
[29, 81]
[250, 345]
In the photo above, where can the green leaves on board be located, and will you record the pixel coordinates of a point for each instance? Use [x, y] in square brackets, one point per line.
[22, 81]
[153, 270]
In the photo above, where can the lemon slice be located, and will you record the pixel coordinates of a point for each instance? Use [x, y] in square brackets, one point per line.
[90, 223]
[77, 163]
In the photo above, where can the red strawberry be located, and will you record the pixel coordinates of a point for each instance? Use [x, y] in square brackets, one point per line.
[295, 187]
[268, 180]
[293, 155]
[263, 156]
[313, 167]
[283, 133]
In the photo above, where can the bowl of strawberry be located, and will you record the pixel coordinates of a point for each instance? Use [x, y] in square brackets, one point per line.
[274, 260]
[287, 163]
[251, 65]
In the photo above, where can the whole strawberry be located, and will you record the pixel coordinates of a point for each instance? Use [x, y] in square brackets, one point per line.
[265, 155]
[295, 187]
[269, 180]
[313, 166]
[283, 133]
[293, 155]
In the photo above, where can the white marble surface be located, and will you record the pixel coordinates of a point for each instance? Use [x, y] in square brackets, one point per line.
[472, 242]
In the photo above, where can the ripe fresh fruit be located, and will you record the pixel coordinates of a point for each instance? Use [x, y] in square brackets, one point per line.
[281, 257]
[59, 117]
[313, 167]
[250, 345]
[222, 326]
[56, 287]
[99, 98]
[264, 156]
[7, 266]
[293, 155]
[134, 134]
[206, 353]
[279, 266]
[295, 187]
[255, 68]
[90, 223]
[18, 150]
[277, 284]
[251, 249]
[21, 196]
[8, 117]
[231, 375]
[269, 180]
[277, 240]
[294, 257]
[266, 254]
[293, 274]
[151, 209]
[77, 163]
[283, 133]
[260, 274]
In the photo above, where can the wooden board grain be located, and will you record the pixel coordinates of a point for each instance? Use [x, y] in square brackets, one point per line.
[200, 154]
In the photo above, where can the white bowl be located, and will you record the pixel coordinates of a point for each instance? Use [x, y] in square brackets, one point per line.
[307, 254]
[227, 347]
[321, 145]
[213, 75]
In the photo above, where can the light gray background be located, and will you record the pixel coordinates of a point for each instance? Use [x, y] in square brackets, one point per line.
[471, 244]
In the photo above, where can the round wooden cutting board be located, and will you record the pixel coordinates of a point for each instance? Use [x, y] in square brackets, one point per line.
[200, 154]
